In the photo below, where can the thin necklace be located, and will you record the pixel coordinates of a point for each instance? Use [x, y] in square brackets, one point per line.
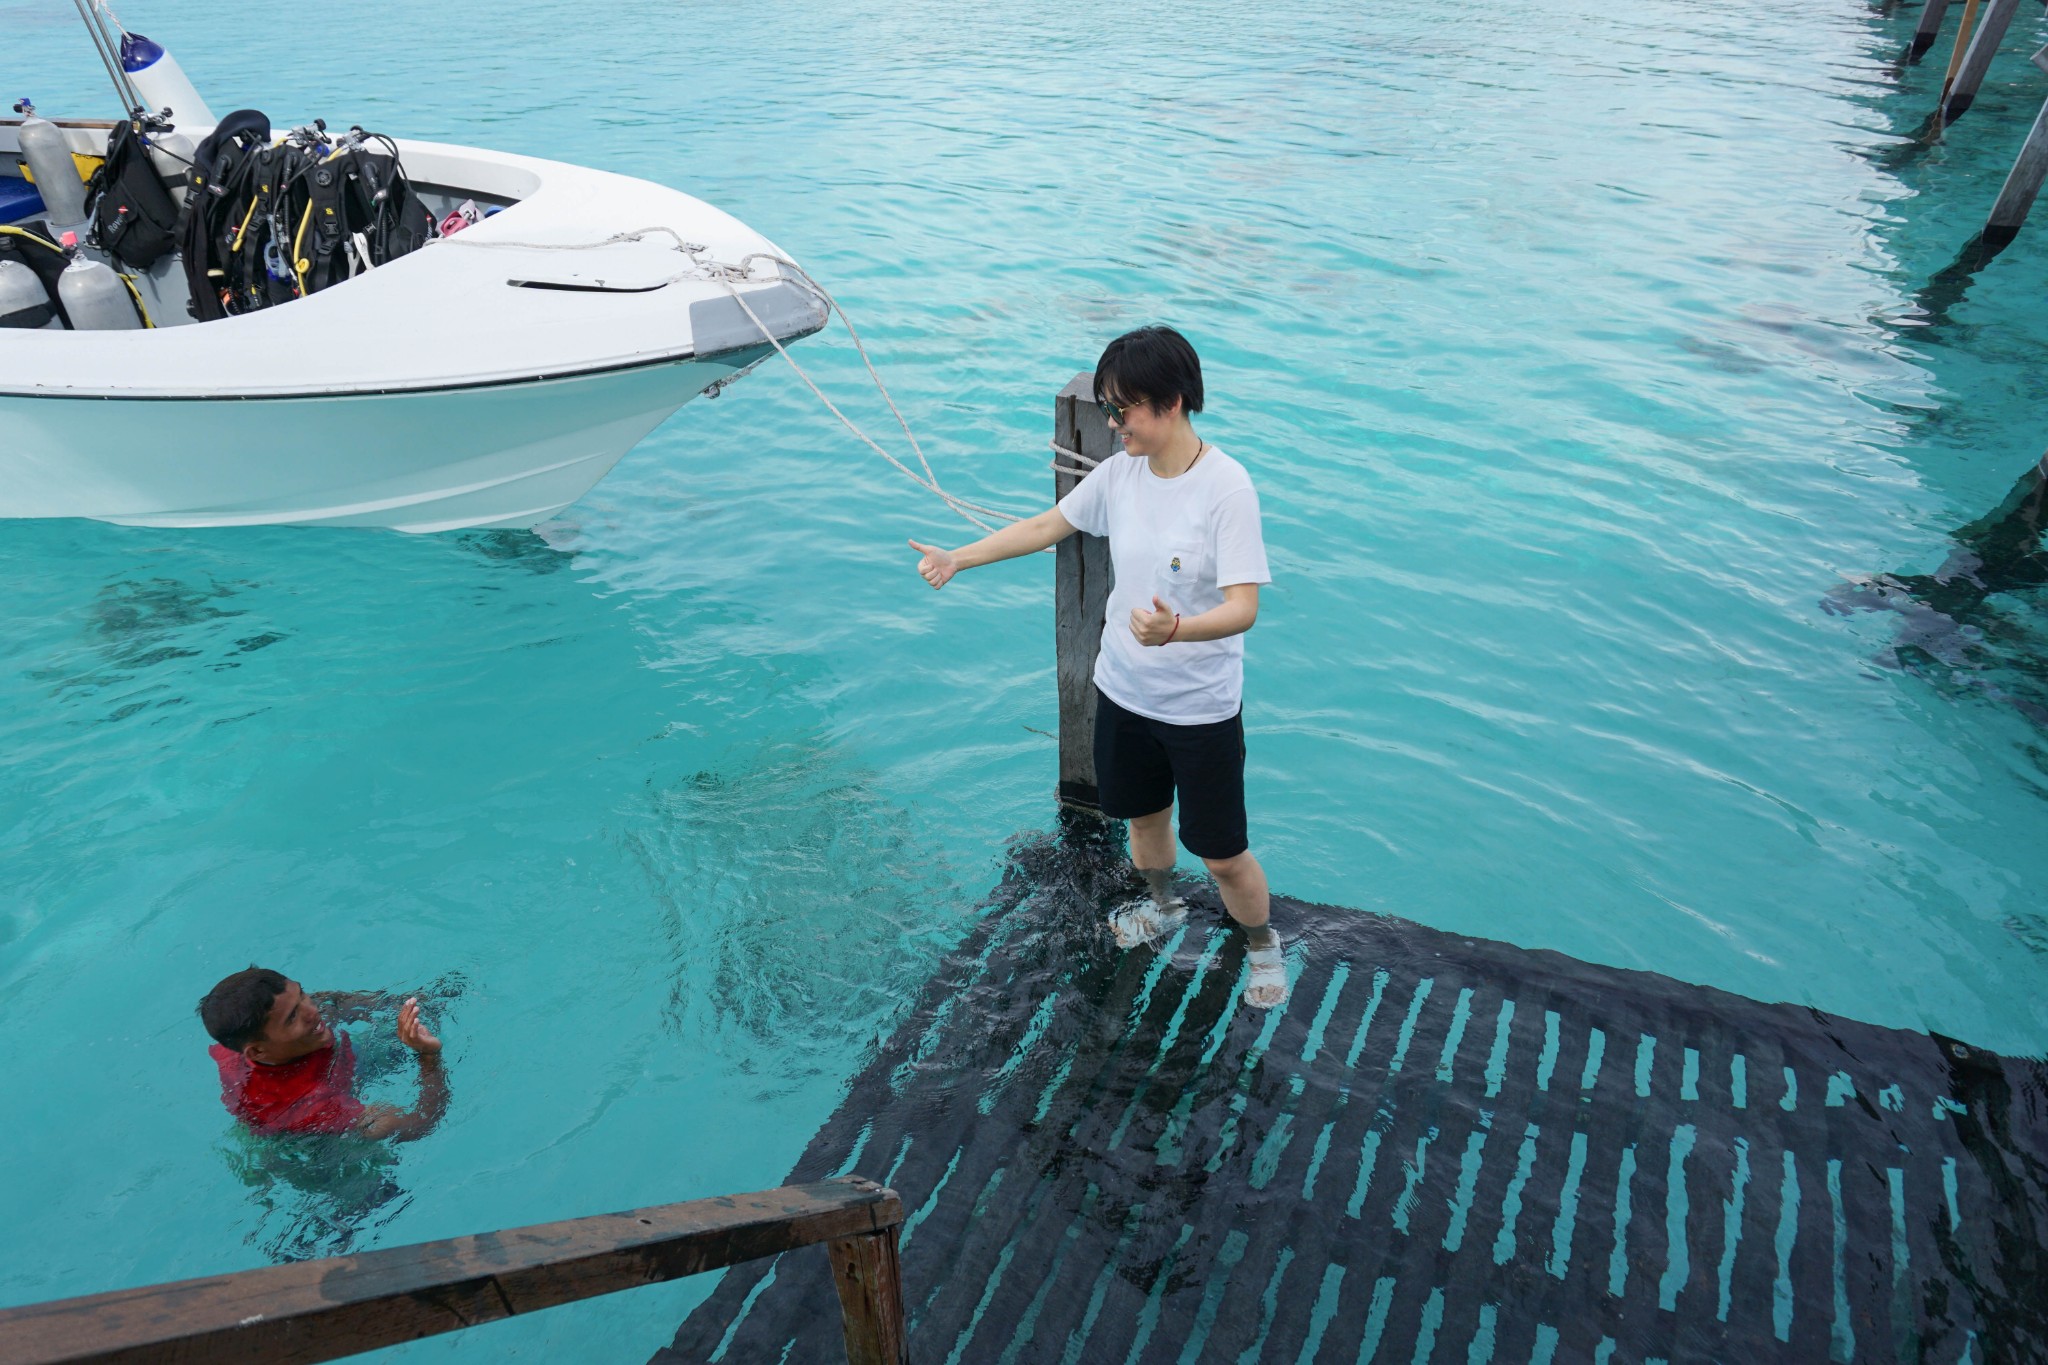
[1201, 449]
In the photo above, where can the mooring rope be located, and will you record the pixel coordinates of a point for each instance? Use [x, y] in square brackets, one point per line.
[1081, 466]
[728, 275]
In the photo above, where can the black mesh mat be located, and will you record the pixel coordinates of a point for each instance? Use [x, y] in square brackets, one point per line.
[1442, 1149]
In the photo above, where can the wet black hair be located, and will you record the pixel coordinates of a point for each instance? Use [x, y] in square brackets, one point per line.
[236, 1011]
[1152, 365]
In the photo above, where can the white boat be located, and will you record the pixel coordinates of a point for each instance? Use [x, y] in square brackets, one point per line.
[487, 379]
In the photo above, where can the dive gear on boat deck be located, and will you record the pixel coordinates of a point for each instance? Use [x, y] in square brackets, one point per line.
[40, 255]
[268, 222]
[170, 151]
[96, 298]
[23, 300]
[220, 168]
[134, 218]
[48, 156]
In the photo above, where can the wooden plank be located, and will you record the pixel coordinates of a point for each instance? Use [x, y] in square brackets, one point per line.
[1082, 579]
[1962, 89]
[324, 1309]
[1929, 29]
[2022, 184]
[871, 1298]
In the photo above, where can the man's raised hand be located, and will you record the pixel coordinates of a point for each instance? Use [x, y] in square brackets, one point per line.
[412, 1032]
[938, 566]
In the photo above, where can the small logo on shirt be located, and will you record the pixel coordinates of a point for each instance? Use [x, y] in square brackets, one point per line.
[1175, 565]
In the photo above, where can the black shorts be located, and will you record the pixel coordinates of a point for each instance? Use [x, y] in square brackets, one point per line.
[1141, 764]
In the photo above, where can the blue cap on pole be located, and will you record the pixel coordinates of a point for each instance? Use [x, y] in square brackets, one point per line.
[138, 52]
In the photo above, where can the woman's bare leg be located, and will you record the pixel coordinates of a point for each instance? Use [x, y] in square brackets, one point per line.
[1152, 853]
[1147, 920]
[1243, 884]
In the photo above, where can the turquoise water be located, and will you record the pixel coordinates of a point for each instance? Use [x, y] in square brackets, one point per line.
[1571, 347]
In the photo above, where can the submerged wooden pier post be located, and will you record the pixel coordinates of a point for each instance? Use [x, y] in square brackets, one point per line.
[870, 1283]
[1964, 28]
[1080, 592]
[2022, 183]
[1968, 78]
[1929, 29]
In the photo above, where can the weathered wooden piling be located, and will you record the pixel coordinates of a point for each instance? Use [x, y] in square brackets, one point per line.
[868, 1272]
[1964, 28]
[1929, 29]
[1080, 592]
[1966, 76]
[2022, 183]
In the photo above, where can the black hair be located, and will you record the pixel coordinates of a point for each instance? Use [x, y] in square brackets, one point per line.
[236, 1011]
[1153, 365]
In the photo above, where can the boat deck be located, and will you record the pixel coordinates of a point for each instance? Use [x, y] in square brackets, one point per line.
[1442, 1149]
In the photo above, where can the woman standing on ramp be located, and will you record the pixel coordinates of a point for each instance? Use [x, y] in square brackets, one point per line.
[1182, 519]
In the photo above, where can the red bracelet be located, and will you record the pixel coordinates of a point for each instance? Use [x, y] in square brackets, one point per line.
[1175, 631]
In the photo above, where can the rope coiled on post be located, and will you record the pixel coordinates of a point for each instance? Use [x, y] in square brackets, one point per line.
[1085, 465]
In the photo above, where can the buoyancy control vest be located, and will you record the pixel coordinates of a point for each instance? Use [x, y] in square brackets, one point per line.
[134, 218]
[268, 221]
[360, 211]
[218, 189]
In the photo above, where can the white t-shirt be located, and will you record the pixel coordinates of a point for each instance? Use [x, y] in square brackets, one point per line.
[1185, 540]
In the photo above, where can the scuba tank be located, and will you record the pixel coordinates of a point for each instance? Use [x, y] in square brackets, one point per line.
[94, 297]
[48, 155]
[171, 152]
[162, 83]
[23, 300]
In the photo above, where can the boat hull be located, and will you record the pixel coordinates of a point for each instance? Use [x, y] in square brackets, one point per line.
[494, 455]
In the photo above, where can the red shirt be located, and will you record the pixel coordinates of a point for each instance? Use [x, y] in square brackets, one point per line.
[315, 1094]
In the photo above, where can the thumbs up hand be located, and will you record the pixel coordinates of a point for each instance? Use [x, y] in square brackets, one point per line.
[938, 566]
[1154, 627]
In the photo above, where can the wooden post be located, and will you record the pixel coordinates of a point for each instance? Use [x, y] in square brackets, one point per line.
[1964, 28]
[1929, 30]
[2022, 183]
[871, 1298]
[1080, 594]
[1969, 74]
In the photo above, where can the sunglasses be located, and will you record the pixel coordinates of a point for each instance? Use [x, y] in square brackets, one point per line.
[1114, 411]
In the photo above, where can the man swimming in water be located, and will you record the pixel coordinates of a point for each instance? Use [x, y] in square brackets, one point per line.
[285, 1069]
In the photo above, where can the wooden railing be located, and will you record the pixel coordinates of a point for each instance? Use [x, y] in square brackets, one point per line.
[321, 1310]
